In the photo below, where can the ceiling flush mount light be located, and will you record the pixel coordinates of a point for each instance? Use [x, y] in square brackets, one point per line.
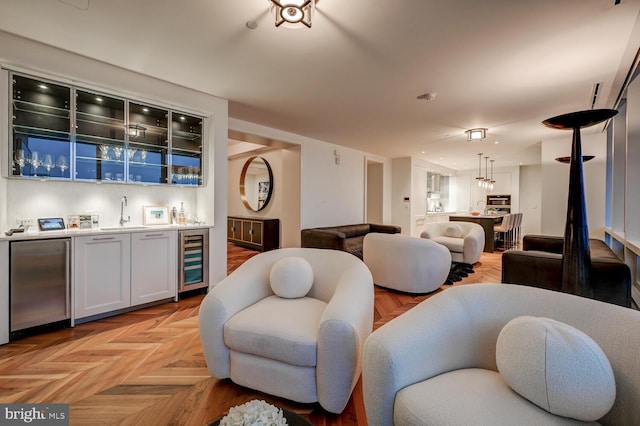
[293, 13]
[476, 134]
[136, 131]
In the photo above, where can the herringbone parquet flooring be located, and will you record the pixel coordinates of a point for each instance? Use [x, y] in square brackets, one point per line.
[147, 368]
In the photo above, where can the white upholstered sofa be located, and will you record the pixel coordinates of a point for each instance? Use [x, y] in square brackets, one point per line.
[306, 349]
[436, 364]
[465, 240]
[404, 263]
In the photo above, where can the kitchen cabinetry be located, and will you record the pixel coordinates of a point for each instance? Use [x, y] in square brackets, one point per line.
[102, 274]
[153, 266]
[41, 128]
[67, 132]
[121, 270]
[255, 233]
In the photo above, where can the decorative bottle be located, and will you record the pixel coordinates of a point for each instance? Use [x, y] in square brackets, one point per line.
[182, 218]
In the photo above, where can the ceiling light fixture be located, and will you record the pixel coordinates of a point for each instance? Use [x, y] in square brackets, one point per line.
[476, 134]
[136, 130]
[427, 97]
[293, 13]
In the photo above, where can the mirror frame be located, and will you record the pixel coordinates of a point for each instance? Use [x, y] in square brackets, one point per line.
[243, 194]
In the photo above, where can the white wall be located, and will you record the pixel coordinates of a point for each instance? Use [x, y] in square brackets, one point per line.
[401, 193]
[28, 197]
[555, 182]
[530, 198]
[330, 194]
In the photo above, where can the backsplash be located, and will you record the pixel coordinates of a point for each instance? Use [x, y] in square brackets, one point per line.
[34, 199]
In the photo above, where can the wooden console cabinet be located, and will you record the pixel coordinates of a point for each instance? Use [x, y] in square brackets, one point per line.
[255, 233]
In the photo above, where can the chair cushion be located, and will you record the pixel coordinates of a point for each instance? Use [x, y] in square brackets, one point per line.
[468, 397]
[455, 245]
[281, 329]
[453, 230]
[557, 367]
[291, 277]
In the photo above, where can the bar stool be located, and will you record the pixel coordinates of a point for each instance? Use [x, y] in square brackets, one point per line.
[504, 228]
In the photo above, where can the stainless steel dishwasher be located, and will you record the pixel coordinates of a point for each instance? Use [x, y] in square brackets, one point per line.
[40, 282]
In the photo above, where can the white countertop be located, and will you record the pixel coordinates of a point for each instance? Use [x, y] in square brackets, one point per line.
[35, 235]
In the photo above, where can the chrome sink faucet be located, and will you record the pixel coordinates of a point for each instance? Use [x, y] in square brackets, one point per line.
[123, 202]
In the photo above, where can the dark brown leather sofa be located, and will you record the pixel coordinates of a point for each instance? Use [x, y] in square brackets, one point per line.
[539, 264]
[347, 238]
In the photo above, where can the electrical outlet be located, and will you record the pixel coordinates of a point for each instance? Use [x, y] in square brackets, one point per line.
[26, 222]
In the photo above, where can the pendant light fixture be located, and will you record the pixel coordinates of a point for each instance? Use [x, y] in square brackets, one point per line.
[479, 178]
[491, 182]
[485, 181]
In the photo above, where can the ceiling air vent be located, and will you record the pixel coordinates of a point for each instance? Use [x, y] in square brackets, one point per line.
[594, 95]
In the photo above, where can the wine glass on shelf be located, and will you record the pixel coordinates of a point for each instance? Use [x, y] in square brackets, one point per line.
[19, 159]
[35, 161]
[131, 152]
[104, 151]
[62, 164]
[47, 163]
[143, 155]
[117, 150]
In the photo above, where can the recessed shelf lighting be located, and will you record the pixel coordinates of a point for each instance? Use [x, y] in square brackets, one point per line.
[99, 99]
[43, 86]
[145, 109]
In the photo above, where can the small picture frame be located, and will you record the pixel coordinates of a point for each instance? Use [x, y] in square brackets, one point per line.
[155, 215]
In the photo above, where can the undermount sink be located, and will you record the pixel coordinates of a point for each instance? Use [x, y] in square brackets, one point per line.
[122, 228]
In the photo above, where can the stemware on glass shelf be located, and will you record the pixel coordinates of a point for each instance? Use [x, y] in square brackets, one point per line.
[35, 161]
[143, 155]
[117, 150]
[131, 152]
[104, 151]
[47, 163]
[62, 164]
[19, 159]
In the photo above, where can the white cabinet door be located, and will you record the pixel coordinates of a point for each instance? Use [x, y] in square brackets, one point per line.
[101, 274]
[154, 266]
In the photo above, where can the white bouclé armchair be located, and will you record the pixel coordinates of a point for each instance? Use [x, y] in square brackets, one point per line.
[439, 363]
[305, 349]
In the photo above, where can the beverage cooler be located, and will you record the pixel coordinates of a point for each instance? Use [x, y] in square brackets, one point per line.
[194, 260]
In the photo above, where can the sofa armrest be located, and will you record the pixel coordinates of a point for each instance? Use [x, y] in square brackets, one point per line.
[236, 292]
[433, 338]
[551, 244]
[385, 229]
[343, 329]
[534, 268]
[322, 238]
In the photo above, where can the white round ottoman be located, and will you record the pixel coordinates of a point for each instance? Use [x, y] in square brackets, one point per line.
[404, 263]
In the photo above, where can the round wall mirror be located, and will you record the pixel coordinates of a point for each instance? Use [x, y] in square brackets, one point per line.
[256, 183]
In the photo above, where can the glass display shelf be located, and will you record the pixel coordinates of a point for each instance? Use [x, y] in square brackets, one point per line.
[58, 128]
[40, 132]
[40, 109]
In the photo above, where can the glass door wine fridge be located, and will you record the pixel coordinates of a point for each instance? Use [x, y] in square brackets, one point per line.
[194, 259]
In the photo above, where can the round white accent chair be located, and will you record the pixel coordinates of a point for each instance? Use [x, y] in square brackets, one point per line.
[306, 349]
[465, 240]
[404, 263]
[438, 364]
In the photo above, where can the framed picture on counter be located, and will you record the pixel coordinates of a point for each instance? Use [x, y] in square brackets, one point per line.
[155, 215]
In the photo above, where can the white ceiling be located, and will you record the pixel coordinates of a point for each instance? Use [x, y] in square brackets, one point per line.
[354, 77]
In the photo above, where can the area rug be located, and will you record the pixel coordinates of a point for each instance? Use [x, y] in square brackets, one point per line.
[458, 271]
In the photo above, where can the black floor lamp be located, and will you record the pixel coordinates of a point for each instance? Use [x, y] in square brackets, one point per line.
[576, 257]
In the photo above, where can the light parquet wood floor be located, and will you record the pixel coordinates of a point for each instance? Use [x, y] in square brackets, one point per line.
[147, 368]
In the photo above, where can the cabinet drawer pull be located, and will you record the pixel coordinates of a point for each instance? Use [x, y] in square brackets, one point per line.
[104, 238]
[154, 235]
